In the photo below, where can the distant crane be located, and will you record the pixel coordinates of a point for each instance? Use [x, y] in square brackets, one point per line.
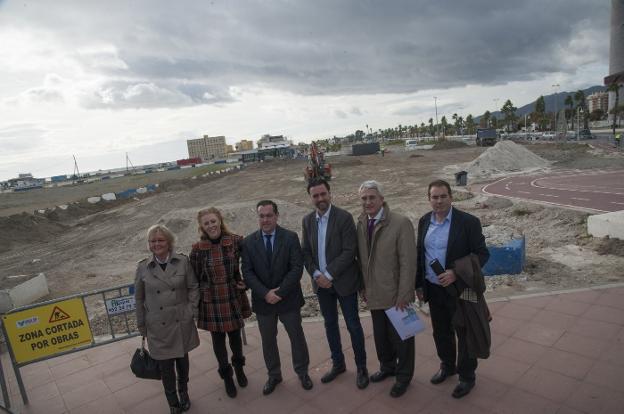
[128, 162]
[76, 178]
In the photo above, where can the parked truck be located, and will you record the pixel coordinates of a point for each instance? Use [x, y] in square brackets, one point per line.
[486, 137]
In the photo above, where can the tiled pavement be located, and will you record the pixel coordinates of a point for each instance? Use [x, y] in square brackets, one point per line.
[556, 353]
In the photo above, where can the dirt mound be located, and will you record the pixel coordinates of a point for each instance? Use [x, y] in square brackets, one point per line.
[79, 209]
[609, 246]
[504, 157]
[446, 144]
[499, 235]
[495, 203]
[26, 228]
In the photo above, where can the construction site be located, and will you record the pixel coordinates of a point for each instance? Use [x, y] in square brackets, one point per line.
[84, 246]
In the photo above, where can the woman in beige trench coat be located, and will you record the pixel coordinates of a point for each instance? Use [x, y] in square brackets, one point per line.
[167, 296]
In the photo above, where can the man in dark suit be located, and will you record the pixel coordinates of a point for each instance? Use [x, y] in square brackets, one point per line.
[329, 251]
[447, 234]
[272, 268]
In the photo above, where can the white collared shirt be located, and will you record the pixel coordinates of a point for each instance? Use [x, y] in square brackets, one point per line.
[322, 222]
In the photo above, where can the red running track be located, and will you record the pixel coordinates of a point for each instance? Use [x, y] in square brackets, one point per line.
[598, 190]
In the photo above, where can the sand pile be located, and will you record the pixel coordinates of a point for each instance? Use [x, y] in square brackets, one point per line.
[26, 228]
[504, 157]
[499, 235]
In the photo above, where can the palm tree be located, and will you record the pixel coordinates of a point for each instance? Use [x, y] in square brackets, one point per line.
[570, 103]
[579, 98]
[470, 124]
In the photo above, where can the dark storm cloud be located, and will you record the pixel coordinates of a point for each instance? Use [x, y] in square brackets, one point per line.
[328, 47]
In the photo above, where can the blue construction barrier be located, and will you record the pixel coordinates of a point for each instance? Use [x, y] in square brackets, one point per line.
[506, 259]
[126, 194]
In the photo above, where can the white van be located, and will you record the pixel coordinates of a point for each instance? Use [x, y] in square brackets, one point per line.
[410, 144]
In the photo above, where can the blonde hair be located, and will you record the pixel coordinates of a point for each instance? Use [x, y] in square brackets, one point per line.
[211, 210]
[162, 229]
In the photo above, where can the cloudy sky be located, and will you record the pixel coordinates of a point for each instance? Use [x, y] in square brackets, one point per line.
[97, 79]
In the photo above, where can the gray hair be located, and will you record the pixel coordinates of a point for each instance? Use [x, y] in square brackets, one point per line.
[371, 185]
[162, 229]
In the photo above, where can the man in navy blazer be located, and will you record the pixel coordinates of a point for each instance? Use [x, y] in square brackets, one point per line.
[447, 234]
[329, 253]
[272, 268]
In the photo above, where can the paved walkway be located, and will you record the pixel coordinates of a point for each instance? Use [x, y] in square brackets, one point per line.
[595, 190]
[557, 353]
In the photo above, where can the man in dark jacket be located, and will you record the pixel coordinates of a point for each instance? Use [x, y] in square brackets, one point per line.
[272, 268]
[329, 251]
[447, 234]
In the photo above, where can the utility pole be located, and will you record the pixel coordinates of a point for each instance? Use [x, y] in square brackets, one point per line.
[556, 85]
[435, 102]
[128, 162]
[579, 111]
[495, 105]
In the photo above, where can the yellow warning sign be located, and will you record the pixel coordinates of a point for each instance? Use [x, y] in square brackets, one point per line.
[58, 315]
[47, 330]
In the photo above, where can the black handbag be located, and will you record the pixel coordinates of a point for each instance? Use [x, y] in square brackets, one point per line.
[143, 365]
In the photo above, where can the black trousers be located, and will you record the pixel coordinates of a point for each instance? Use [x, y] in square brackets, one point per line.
[394, 354]
[267, 325]
[220, 350]
[168, 368]
[453, 354]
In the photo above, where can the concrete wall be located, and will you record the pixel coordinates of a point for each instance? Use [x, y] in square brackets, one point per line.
[609, 224]
[24, 293]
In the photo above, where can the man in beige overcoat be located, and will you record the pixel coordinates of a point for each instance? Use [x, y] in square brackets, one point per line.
[386, 247]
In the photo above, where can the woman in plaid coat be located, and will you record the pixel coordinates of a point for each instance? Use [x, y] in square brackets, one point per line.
[223, 302]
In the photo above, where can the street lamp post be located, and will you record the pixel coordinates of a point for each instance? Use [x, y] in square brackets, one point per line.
[579, 111]
[495, 105]
[435, 102]
[556, 85]
[526, 131]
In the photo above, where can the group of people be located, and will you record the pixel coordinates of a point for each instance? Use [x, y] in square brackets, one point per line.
[378, 258]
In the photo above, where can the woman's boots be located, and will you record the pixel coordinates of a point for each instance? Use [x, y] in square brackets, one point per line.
[238, 364]
[185, 401]
[226, 373]
[174, 403]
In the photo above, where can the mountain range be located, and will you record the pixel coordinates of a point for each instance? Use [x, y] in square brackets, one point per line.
[549, 100]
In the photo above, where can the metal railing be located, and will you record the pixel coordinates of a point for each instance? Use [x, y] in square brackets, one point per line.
[107, 318]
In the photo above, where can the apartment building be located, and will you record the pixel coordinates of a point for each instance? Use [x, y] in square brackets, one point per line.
[207, 148]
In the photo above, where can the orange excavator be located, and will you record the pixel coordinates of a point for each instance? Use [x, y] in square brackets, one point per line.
[317, 167]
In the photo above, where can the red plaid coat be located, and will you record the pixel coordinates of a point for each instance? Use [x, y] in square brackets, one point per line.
[222, 307]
